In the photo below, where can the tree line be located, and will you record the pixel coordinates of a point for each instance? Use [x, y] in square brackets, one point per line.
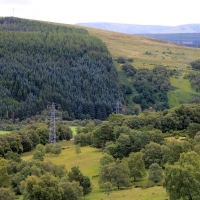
[27, 138]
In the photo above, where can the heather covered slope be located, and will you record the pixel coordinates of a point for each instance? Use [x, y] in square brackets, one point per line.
[42, 62]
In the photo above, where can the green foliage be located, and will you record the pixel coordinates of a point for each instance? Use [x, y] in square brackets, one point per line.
[106, 159]
[102, 134]
[156, 136]
[182, 180]
[169, 120]
[195, 83]
[56, 149]
[192, 129]
[152, 86]
[107, 186]
[77, 149]
[24, 139]
[84, 181]
[117, 173]
[83, 139]
[197, 137]
[24, 25]
[4, 178]
[86, 184]
[71, 190]
[122, 146]
[152, 154]
[13, 156]
[38, 61]
[41, 148]
[48, 148]
[45, 188]
[121, 60]
[43, 131]
[172, 150]
[136, 165]
[196, 64]
[116, 119]
[63, 132]
[38, 155]
[129, 69]
[18, 172]
[155, 173]
[6, 194]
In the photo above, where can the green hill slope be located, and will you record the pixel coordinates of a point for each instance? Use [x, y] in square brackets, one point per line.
[148, 53]
[42, 62]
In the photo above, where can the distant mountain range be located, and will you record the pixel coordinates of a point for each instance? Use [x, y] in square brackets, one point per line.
[143, 29]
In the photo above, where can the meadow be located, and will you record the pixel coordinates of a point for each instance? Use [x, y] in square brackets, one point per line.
[183, 92]
[88, 162]
[73, 128]
[4, 132]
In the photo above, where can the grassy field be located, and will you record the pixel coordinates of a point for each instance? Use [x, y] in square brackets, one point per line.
[88, 162]
[183, 92]
[4, 132]
[73, 128]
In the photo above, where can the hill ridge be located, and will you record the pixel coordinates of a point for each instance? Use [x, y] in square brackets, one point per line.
[143, 29]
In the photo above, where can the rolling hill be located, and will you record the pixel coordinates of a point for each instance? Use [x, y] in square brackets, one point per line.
[143, 29]
[188, 34]
[148, 53]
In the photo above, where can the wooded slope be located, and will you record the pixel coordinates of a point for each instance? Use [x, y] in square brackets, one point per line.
[42, 62]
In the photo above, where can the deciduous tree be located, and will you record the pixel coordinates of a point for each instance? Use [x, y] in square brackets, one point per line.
[116, 173]
[155, 173]
[182, 180]
[136, 165]
[6, 194]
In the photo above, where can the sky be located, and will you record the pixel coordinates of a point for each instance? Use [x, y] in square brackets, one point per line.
[144, 12]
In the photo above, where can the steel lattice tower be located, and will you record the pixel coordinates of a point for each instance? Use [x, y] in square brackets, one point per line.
[117, 107]
[52, 130]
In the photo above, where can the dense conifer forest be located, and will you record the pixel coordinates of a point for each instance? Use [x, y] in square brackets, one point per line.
[42, 63]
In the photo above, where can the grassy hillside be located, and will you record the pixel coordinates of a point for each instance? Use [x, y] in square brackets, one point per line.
[133, 46]
[147, 53]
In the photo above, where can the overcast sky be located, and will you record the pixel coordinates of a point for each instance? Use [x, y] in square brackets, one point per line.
[146, 12]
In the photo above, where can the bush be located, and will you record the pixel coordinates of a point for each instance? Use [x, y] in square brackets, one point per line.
[121, 60]
[196, 64]
[130, 59]
[57, 149]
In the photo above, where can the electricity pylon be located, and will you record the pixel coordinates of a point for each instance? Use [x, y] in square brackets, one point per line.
[52, 130]
[118, 107]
